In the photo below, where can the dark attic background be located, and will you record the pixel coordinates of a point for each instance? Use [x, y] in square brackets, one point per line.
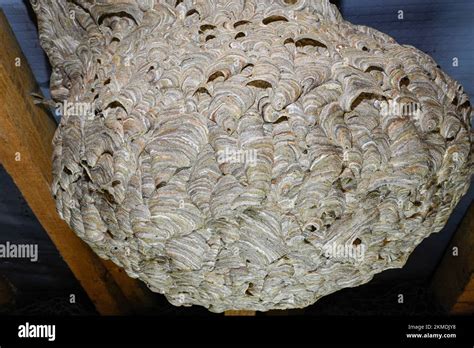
[442, 28]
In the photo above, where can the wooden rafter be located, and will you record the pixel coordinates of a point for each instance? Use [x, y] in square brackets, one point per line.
[453, 282]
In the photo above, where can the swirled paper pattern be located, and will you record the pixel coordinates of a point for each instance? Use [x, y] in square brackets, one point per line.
[227, 149]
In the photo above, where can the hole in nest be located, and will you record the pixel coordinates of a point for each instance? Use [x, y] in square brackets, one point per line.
[356, 242]
[210, 37]
[273, 19]
[364, 48]
[239, 35]
[290, 2]
[67, 171]
[106, 82]
[249, 289]
[215, 76]
[192, 12]
[309, 42]
[206, 27]
[281, 119]
[239, 23]
[288, 41]
[115, 104]
[202, 90]
[161, 184]
[115, 39]
[374, 68]
[404, 81]
[260, 84]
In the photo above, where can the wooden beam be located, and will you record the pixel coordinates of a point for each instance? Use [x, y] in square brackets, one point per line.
[453, 281]
[26, 132]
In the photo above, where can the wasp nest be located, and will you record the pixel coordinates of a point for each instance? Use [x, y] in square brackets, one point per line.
[248, 154]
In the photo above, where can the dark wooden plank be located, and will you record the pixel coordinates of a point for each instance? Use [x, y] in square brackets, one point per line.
[453, 281]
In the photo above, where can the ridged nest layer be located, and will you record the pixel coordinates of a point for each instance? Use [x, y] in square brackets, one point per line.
[231, 144]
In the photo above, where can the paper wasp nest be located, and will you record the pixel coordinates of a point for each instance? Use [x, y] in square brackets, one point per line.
[246, 154]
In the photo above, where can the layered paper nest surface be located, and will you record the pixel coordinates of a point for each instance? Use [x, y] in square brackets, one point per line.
[249, 154]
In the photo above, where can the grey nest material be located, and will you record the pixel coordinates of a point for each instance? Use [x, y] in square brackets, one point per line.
[230, 144]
